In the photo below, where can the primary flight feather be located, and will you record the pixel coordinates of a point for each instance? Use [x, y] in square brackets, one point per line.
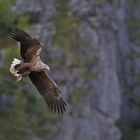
[35, 69]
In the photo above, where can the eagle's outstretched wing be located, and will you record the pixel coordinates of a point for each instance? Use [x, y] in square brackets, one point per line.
[30, 47]
[49, 90]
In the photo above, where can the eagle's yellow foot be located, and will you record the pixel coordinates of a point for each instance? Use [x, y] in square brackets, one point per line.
[19, 78]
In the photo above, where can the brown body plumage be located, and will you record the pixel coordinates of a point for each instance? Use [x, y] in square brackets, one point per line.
[34, 68]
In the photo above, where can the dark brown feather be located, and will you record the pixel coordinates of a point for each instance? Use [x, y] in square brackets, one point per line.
[47, 88]
[29, 45]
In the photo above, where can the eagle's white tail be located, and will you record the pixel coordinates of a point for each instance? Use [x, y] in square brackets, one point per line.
[13, 70]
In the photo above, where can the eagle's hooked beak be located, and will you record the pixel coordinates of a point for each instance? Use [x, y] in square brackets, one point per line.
[47, 67]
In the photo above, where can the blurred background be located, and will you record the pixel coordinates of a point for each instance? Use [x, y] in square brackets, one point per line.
[93, 50]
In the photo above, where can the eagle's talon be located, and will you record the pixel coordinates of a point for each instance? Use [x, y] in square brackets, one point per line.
[19, 78]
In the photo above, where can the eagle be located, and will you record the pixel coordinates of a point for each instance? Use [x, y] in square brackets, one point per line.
[32, 66]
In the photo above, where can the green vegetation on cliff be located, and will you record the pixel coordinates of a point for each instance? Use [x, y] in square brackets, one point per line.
[24, 113]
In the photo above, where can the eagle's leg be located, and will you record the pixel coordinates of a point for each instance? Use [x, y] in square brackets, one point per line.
[22, 74]
[24, 65]
[26, 73]
[23, 70]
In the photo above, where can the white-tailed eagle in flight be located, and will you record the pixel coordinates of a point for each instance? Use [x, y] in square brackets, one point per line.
[35, 69]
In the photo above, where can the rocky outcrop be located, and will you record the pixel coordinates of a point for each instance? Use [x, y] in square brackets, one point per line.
[92, 48]
[98, 73]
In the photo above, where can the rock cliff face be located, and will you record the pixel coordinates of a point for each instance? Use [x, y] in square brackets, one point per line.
[91, 62]
[87, 46]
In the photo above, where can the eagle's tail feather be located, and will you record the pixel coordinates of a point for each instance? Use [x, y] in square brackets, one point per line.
[13, 70]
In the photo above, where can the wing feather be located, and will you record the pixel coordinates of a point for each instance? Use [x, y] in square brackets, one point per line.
[21, 36]
[29, 46]
[49, 90]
